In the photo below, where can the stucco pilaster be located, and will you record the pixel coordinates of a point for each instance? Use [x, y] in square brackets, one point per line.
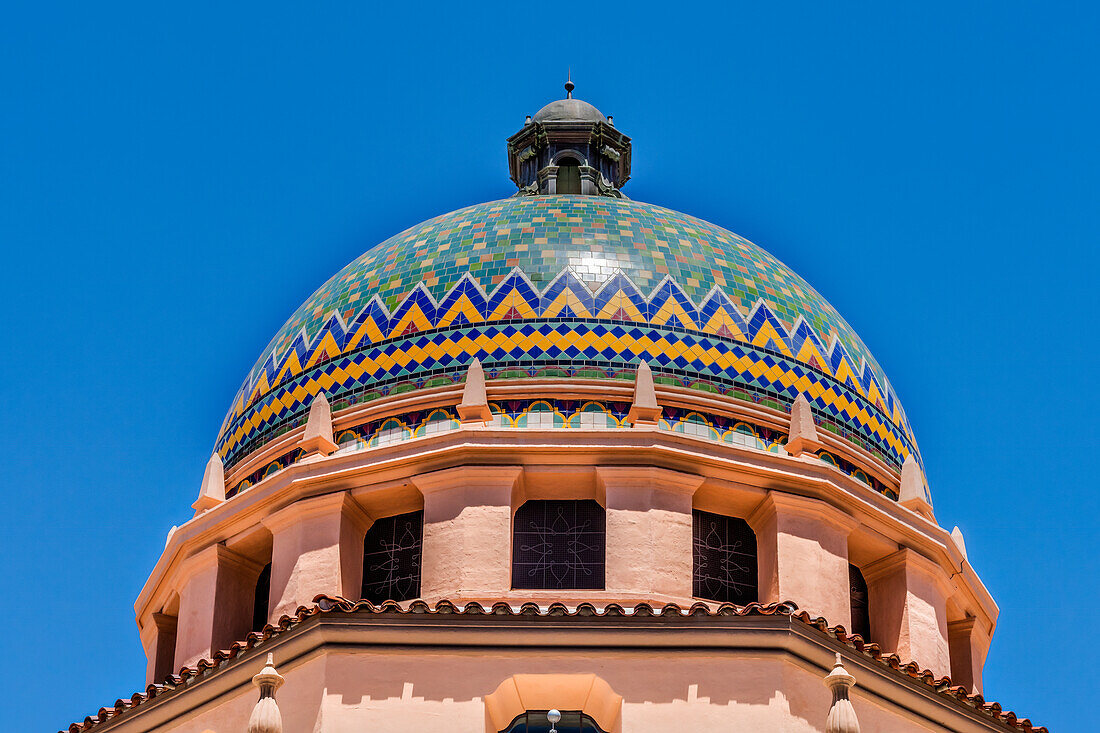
[908, 606]
[467, 531]
[802, 554]
[158, 638]
[317, 547]
[967, 644]
[648, 530]
[216, 597]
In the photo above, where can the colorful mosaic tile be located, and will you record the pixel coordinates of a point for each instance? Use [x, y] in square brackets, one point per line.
[560, 414]
[567, 282]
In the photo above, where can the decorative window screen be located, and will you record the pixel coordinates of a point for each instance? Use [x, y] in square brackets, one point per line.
[724, 558]
[391, 558]
[558, 544]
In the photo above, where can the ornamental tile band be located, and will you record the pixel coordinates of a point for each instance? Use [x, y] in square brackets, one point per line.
[545, 414]
[568, 282]
[523, 345]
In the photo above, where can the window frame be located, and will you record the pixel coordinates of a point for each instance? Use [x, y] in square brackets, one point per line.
[414, 550]
[587, 543]
[700, 560]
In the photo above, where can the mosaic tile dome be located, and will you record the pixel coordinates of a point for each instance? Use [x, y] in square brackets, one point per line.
[567, 286]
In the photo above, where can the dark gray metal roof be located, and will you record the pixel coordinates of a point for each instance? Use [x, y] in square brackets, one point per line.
[569, 110]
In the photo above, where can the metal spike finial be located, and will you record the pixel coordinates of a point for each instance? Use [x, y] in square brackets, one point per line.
[569, 85]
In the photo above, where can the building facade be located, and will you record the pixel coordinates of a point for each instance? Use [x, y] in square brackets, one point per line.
[564, 452]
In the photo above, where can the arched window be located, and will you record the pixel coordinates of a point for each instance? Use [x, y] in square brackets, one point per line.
[535, 721]
[569, 176]
[558, 544]
[347, 440]
[861, 612]
[261, 600]
[391, 558]
[723, 558]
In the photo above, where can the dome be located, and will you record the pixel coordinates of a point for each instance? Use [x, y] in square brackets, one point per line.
[568, 286]
[632, 407]
[569, 110]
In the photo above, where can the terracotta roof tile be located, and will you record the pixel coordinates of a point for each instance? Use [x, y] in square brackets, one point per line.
[328, 604]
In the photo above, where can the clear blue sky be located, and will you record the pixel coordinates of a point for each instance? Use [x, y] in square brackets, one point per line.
[174, 181]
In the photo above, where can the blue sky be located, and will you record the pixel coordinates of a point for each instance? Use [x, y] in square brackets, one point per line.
[175, 180]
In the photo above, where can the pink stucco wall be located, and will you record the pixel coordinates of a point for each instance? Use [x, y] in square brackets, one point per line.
[309, 522]
[405, 690]
[908, 603]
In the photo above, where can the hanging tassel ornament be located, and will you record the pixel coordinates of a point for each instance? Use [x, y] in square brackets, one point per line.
[842, 716]
[266, 717]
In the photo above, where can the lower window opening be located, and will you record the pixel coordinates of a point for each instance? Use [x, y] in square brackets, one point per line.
[535, 721]
[391, 558]
[558, 544]
[861, 609]
[261, 602]
[723, 558]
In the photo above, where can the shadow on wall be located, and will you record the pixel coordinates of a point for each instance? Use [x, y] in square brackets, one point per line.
[713, 680]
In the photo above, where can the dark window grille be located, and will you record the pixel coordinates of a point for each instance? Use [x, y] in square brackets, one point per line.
[391, 558]
[861, 613]
[534, 721]
[558, 545]
[260, 602]
[724, 558]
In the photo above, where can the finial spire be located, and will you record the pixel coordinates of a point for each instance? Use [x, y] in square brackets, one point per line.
[317, 437]
[802, 437]
[212, 492]
[842, 716]
[266, 717]
[474, 408]
[914, 493]
[644, 410]
[569, 85]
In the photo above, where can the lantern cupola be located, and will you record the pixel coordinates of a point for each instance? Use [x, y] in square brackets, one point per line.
[569, 147]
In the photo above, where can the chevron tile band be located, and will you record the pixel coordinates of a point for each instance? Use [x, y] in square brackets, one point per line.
[630, 281]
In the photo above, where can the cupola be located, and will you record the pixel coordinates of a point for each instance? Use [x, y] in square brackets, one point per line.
[569, 147]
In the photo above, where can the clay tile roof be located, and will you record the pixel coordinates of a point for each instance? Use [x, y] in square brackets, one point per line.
[328, 604]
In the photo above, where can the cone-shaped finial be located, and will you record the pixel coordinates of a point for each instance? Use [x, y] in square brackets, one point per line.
[842, 716]
[212, 491]
[914, 493]
[266, 717]
[802, 437]
[644, 410]
[957, 536]
[474, 408]
[318, 435]
[569, 86]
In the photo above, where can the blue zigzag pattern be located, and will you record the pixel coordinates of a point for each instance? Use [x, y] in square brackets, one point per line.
[566, 297]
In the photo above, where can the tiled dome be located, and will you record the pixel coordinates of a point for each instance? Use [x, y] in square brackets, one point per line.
[567, 110]
[566, 286]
